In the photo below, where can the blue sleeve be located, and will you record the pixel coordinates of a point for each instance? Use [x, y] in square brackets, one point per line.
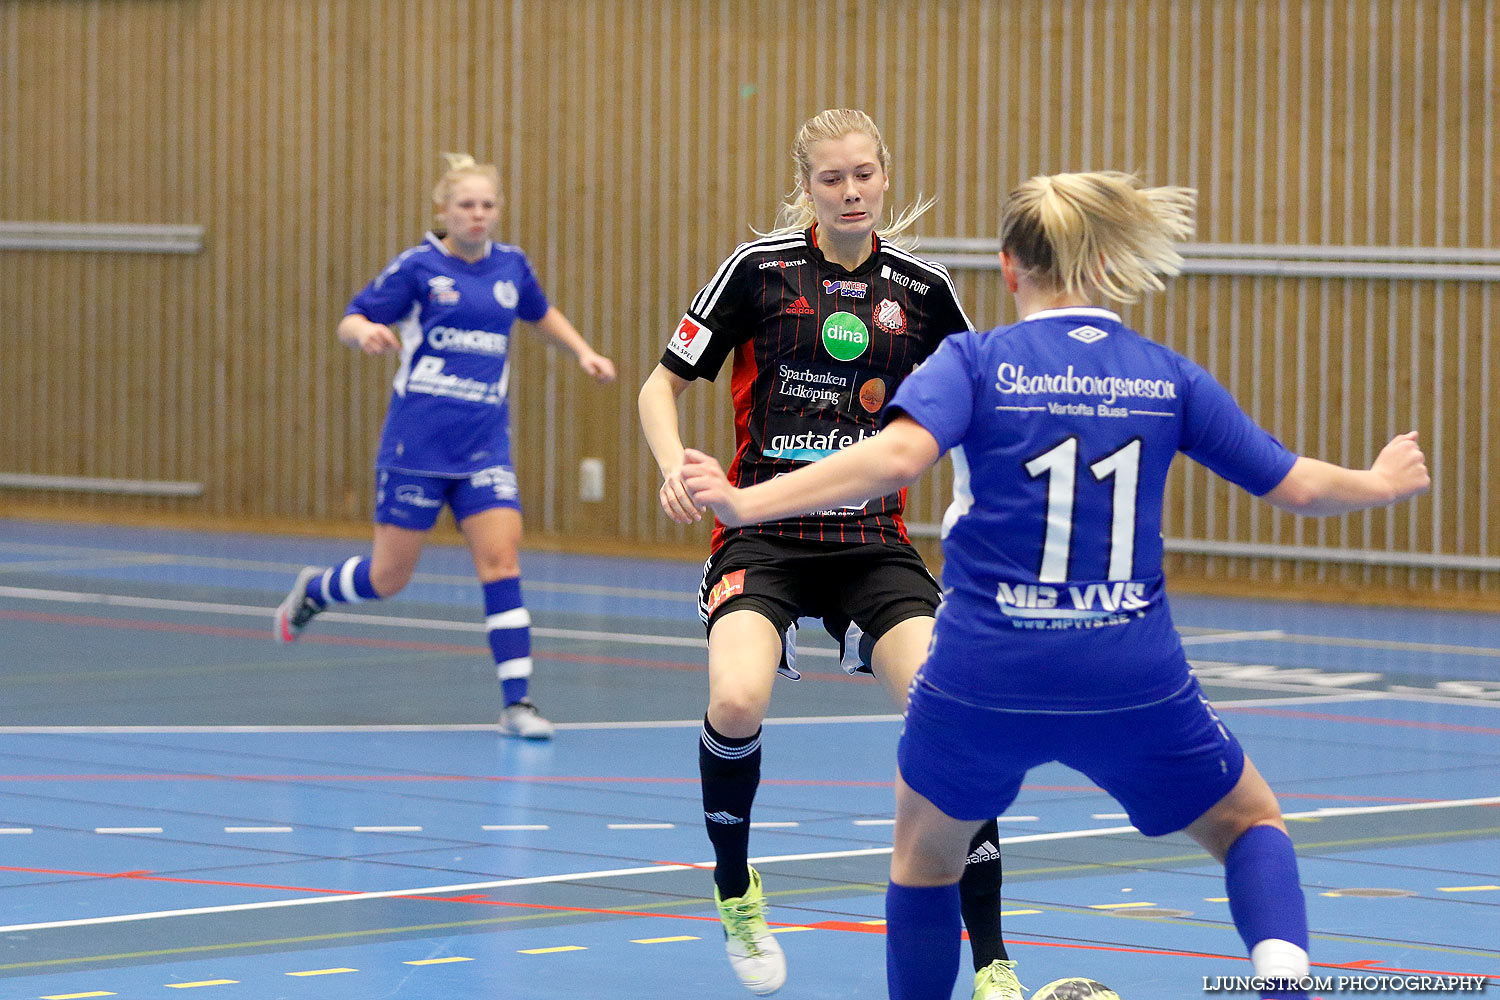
[940, 393]
[390, 296]
[1217, 434]
[532, 304]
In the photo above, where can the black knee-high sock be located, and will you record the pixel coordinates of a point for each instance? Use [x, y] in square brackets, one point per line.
[730, 768]
[979, 895]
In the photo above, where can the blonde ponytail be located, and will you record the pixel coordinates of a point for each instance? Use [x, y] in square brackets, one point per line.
[1103, 230]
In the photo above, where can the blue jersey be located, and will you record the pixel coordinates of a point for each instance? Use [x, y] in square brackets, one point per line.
[449, 412]
[1062, 429]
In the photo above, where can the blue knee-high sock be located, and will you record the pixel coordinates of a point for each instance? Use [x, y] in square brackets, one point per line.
[1265, 899]
[509, 627]
[921, 941]
[346, 583]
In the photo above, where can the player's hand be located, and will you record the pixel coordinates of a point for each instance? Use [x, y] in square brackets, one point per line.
[377, 338]
[675, 500]
[709, 487]
[1402, 465]
[599, 368]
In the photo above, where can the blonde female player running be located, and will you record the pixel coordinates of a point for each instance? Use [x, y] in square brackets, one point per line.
[447, 306]
[824, 318]
[1055, 642]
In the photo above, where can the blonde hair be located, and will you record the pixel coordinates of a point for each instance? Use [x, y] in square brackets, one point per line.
[461, 165]
[797, 213]
[1103, 230]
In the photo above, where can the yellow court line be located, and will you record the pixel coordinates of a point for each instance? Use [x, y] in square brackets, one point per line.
[1216, 899]
[550, 951]
[788, 930]
[79, 996]
[1026, 913]
[321, 972]
[1467, 888]
[206, 982]
[437, 961]
[665, 940]
[1117, 906]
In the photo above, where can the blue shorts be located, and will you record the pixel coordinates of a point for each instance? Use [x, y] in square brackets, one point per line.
[410, 501]
[1166, 763]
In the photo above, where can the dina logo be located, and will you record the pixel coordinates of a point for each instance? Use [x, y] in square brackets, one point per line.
[845, 336]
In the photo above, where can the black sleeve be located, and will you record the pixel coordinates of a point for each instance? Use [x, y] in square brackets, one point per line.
[945, 315]
[715, 324]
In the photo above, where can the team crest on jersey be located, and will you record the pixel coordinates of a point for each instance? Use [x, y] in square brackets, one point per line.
[890, 317]
[1088, 334]
[506, 294]
[853, 289]
[728, 586]
[441, 291]
[690, 340]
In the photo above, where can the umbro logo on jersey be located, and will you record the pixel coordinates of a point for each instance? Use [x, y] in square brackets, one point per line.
[728, 819]
[441, 290]
[1088, 334]
[801, 307]
[984, 852]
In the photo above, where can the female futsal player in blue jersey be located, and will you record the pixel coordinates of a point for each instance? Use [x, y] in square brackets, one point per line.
[1054, 642]
[447, 306]
[823, 317]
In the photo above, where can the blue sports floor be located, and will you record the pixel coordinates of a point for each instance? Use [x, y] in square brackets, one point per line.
[187, 805]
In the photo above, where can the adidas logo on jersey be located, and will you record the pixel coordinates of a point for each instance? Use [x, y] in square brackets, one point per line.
[984, 852]
[728, 819]
[800, 307]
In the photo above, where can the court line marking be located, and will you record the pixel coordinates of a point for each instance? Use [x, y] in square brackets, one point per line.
[105, 557]
[244, 610]
[433, 624]
[471, 887]
[789, 720]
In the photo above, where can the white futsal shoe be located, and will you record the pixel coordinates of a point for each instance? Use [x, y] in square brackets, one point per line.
[755, 955]
[520, 718]
[297, 609]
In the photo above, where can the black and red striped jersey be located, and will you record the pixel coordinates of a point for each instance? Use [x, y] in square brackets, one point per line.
[818, 350]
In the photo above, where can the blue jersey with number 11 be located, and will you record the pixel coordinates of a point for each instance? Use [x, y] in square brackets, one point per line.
[1062, 428]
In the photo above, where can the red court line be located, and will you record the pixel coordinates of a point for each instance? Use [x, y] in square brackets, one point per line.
[1445, 727]
[361, 642]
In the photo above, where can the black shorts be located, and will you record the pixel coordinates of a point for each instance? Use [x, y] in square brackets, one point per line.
[877, 586]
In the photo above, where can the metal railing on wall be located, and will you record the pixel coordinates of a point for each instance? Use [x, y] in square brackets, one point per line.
[1374, 263]
[1270, 260]
[115, 237]
[108, 237]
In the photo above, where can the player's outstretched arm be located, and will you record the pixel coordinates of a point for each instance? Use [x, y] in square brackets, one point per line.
[1319, 488]
[372, 338]
[558, 329]
[873, 468]
[657, 404]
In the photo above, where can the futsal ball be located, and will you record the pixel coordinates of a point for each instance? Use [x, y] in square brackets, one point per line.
[1075, 989]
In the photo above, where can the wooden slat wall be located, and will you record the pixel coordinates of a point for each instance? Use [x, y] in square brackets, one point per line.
[639, 141]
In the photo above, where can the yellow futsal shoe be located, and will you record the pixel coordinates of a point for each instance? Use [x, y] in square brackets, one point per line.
[755, 955]
[997, 981]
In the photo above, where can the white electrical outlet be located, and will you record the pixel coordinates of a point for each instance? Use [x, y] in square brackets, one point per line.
[591, 480]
